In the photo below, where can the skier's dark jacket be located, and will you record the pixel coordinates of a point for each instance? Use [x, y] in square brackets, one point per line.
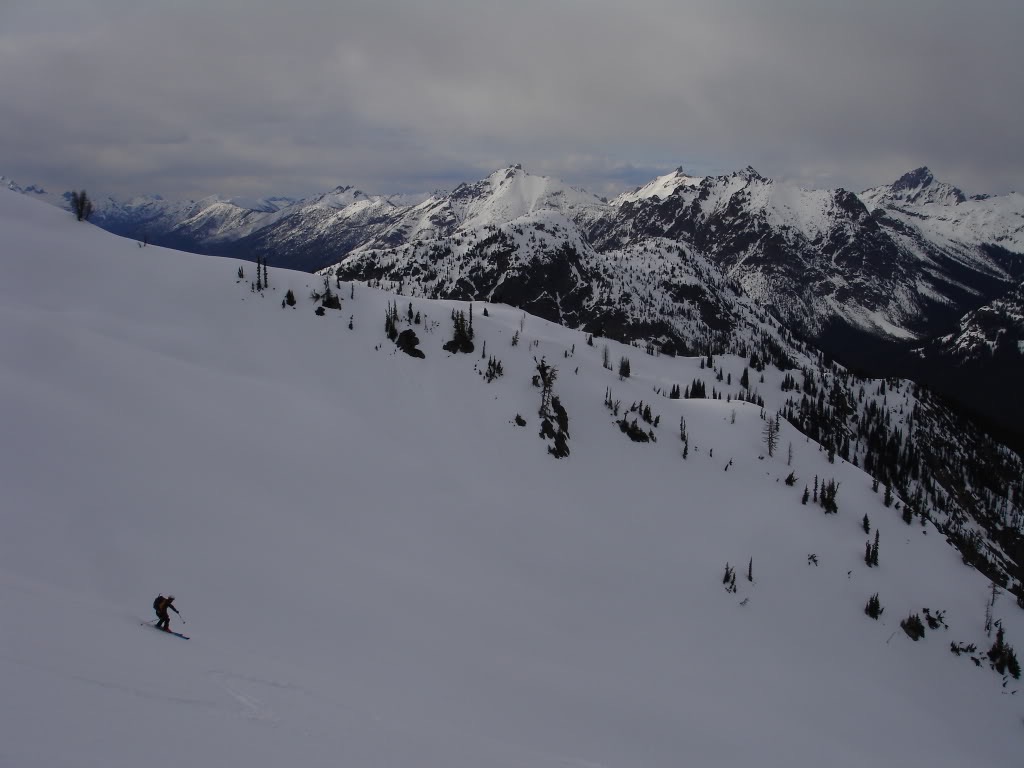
[161, 604]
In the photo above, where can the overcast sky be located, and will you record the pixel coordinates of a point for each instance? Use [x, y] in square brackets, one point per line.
[190, 97]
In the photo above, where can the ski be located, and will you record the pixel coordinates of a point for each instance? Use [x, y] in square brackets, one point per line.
[166, 631]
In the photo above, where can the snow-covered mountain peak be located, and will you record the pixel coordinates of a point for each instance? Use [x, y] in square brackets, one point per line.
[661, 187]
[509, 193]
[750, 174]
[918, 187]
[339, 197]
[262, 204]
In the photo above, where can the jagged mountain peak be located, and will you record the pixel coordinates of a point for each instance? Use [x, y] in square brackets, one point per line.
[750, 174]
[918, 187]
[340, 197]
[915, 179]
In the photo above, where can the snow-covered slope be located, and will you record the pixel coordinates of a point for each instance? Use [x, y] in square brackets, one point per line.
[378, 567]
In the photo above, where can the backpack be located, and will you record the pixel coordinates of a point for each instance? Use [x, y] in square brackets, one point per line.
[158, 604]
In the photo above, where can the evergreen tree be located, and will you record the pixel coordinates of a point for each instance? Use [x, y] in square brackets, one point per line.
[460, 341]
[391, 321]
[624, 368]
[81, 205]
[1003, 659]
[913, 626]
[874, 550]
[866, 524]
[289, 298]
[805, 496]
[874, 608]
[771, 435]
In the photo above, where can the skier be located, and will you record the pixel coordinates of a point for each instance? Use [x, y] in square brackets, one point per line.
[160, 605]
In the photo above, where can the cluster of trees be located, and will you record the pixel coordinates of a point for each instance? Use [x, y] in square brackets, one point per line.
[930, 457]
[81, 205]
[462, 332]
[554, 421]
[871, 552]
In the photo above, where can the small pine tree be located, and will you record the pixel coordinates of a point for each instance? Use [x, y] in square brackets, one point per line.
[391, 321]
[866, 524]
[750, 570]
[771, 435]
[888, 495]
[241, 273]
[806, 496]
[289, 298]
[623, 368]
[874, 550]
[907, 514]
[874, 608]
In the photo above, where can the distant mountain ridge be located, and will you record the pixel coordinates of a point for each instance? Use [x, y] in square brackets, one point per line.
[893, 264]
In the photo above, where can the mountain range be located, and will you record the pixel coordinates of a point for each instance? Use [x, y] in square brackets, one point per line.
[871, 278]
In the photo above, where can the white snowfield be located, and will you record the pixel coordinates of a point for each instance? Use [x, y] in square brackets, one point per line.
[378, 568]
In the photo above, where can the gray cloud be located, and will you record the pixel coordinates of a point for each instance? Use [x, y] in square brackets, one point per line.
[255, 98]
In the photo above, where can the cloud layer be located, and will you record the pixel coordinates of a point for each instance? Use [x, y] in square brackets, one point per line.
[191, 98]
